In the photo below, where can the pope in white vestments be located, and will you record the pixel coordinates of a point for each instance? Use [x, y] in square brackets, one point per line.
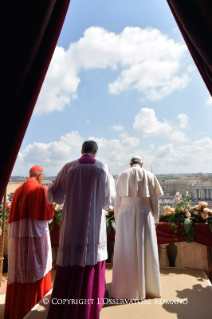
[135, 264]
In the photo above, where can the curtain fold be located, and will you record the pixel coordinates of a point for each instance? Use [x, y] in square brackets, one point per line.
[29, 31]
[194, 19]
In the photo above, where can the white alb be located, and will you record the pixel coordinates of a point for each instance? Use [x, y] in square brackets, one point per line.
[135, 264]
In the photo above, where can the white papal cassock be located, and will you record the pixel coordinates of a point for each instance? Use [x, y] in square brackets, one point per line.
[135, 264]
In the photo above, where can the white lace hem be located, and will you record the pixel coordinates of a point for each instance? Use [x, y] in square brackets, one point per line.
[82, 255]
[29, 256]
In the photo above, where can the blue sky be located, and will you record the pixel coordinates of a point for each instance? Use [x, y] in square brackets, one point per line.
[121, 74]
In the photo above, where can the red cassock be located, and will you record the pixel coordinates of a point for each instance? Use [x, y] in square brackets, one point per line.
[29, 249]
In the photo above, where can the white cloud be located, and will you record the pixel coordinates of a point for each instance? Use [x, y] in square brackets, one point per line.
[187, 158]
[103, 142]
[154, 80]
[191, 68]
[183, 118]
[147, 124]
[205, 143]
[88, 121]
[60, 85]
[118, 128]
[178, 137]
[72, 139]
[117, 152]
[195, 157]
[149, 62]
[128, 141]
[51, 156]
[152, 146]
[165, 151]
[209, 101]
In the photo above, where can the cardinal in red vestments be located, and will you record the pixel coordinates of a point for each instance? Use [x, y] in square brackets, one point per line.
[29, 246]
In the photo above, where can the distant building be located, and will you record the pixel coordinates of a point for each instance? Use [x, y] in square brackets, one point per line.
[46, 183]
[196, 189]
[14, 184]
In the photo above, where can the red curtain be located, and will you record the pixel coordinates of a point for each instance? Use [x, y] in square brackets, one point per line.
[29, 31]
[194, 19]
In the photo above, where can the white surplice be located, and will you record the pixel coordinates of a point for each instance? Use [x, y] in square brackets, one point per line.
[135, 264]
[85, 189]
[29, 250]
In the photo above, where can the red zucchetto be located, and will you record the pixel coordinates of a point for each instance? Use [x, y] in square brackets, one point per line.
[36, 168]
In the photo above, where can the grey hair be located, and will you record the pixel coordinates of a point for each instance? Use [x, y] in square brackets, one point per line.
[89, 147]
[136, 160]
[35, 173]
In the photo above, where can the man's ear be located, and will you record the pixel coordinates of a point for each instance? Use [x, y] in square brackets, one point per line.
[94, 154]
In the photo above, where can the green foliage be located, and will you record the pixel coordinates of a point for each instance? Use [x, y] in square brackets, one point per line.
[110, 220]
[173, 218]
[168, 219]
[174, 227]
[186, 226]
[188, 230]
[190, 235]
[57, 216]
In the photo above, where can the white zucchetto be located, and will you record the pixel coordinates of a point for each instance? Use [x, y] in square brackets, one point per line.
[137, 159]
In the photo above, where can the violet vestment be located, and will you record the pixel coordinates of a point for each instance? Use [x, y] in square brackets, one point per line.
[86, 186]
